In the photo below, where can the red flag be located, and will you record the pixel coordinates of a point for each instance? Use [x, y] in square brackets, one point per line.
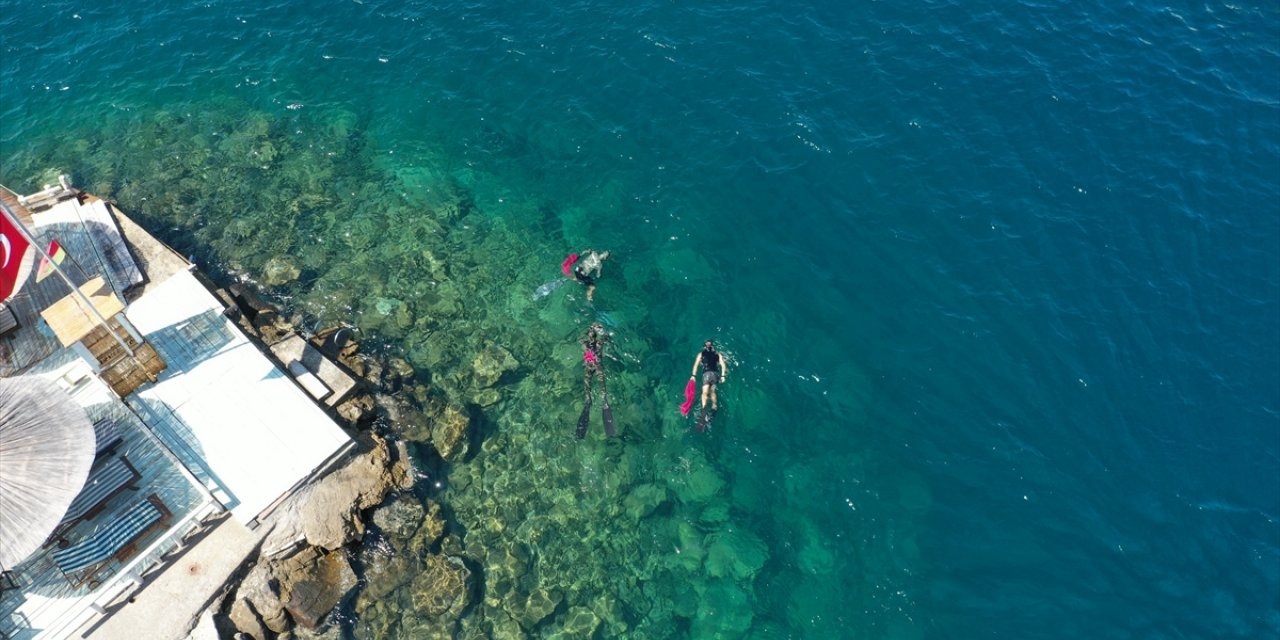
[55, 253]
[15, 258]
[688, 397]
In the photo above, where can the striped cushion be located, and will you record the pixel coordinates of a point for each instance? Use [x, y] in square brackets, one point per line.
[105, 542]
[106, 433]
[8, 321]
[105, 480]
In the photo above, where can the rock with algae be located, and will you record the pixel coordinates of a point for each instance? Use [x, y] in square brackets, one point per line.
[533, 608]
[579, 622]
[388, 316]
[815, 556]
[490, 364]
[280, 270]
[643, 500]
[443, 588]
[449, 433]
[700, 485]
[724, 611]
[735, 553]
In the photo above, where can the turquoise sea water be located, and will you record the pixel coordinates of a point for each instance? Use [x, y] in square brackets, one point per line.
[999, 284]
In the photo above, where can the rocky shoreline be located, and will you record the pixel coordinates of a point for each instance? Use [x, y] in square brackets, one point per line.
[312, 561]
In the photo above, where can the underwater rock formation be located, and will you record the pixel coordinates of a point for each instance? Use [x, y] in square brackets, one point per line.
[735, 553]
[280, 270]
[449, 433]
[640, 537]
[443, 588]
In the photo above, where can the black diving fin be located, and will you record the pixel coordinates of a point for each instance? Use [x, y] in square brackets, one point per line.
[607, 412]
[584, 420]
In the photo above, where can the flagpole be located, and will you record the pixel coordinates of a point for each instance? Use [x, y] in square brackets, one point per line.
[22, 229]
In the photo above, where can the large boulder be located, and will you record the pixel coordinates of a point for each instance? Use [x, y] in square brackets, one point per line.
[399, 520]
[326, 513]
[257, 604]
[405, 417]
[280, 270]
[314, 587]
[358, 410]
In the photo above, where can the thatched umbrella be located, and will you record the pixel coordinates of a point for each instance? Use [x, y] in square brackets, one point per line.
[46, 449]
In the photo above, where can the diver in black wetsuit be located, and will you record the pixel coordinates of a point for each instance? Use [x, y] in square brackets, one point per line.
[588, 269]
[592, 356]
[713, 372]
[593, 345]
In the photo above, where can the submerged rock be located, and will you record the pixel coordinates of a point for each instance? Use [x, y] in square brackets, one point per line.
[449, 433]
[643, 500]
[280, 270]
[723, 611]
[490, 364]
[384, 572]
[702, 484]
[397, 373]
[420, 628]
[406, 419]
[503, 627]
[815, 556]
[535, 607]
[399, 520]
[736, 554]
[443, 588]
[580, 622]
[486, 397]
[434, 525]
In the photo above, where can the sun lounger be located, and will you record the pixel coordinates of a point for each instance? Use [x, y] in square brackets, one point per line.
[107, 434]
[82, 561]
[8, 321]
[106, 481]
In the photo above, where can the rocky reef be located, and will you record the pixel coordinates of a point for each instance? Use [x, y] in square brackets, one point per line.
[471, 511]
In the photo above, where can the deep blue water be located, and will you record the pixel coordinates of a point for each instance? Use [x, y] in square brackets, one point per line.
[1000, 281]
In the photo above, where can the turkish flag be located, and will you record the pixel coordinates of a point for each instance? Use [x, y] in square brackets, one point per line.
[15, 258]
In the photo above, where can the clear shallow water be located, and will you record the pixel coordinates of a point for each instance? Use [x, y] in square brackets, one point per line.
[1000, 283]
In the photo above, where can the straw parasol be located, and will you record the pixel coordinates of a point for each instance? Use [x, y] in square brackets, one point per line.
[46, 449]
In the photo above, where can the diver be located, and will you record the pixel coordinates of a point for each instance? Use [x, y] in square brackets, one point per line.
[593, 345]
[713, 372]
[588, 269]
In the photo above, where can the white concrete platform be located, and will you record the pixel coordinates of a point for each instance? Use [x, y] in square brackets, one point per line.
[256, 432]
